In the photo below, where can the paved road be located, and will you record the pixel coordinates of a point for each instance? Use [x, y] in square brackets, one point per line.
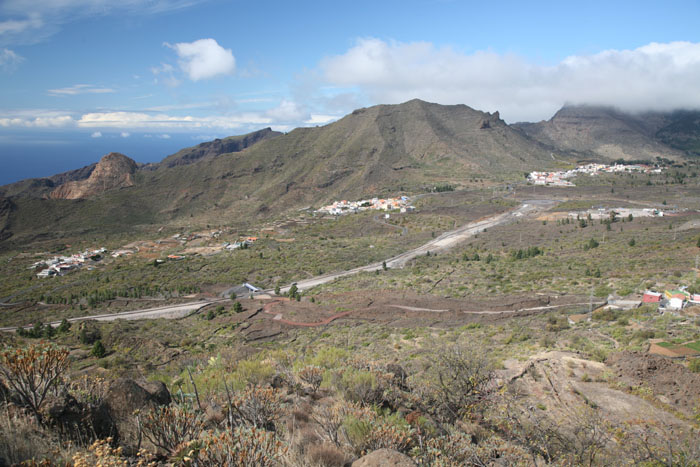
[441, 243]
[170, 312]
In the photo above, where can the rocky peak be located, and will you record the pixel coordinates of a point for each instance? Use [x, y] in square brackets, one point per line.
[114, 170]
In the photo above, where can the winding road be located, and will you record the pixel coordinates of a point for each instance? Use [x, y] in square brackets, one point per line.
[443, 242]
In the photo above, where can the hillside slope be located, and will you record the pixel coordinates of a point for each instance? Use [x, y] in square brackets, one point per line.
[374, 151]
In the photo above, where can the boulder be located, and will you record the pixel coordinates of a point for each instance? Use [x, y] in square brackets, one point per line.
[384, 457]
[80, 421]
[125, 397]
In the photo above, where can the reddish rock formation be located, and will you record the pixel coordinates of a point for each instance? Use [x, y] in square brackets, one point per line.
[113, 171]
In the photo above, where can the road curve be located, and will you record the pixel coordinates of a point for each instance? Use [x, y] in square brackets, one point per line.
[443, 242]
[170, 312]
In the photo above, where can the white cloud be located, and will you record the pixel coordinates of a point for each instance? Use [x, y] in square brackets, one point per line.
[80, 89]
[48, 16]
[142, 120]
[653, 77]
[14, 26]
[37, 122]
[321, 119]
[204, 59]
[125, 134]
[9, 60]
[164, 136]
[288, 111]
[97, 134]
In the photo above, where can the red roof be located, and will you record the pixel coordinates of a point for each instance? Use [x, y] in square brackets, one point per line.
[651, 297]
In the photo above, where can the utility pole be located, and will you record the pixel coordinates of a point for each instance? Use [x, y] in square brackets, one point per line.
[590, 301]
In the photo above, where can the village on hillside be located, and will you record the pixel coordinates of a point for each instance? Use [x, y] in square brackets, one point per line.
[339, 208]
[62, 265]
[561, 178]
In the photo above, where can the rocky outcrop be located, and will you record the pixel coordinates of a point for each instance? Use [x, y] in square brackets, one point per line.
[125, 397]
[113, 171]
[384, 457]
[80, 421]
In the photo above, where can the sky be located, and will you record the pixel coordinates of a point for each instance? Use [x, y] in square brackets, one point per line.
[80, 78]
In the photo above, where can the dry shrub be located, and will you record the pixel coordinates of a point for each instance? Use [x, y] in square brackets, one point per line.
[242, 447]
[650, 443]
[370, 432]
[458, 384]
[330, 418]
[260, 407]
[31, 372]
[89, 390]
[22, 438]
[167, 427]
[311, 375]
[325, 455]
[102, 454]
[300, 416]
[455, 449]
[304, 437]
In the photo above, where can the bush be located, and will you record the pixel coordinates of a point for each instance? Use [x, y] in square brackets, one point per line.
[30, 372]
[242, 446]
[169, 426]
[694, 365]
[365, 386]
[98, 350]
[259, 407]
[369, 433]
[311, 375]
[460, 380]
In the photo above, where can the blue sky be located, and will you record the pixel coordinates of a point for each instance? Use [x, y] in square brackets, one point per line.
[150, 76]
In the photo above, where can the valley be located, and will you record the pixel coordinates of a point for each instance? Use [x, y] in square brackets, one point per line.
[500, 321]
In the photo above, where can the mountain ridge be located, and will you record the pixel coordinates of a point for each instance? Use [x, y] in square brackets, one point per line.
[603, 131]
[373, 151]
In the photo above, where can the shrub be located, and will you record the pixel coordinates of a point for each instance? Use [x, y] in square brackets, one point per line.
[100, 453]
[460, 380]
[694, 365]
[240, 447]
[64, 326]
[366, 387]
[254, 372]
[330, 419]
[259, 407]
[169, 426]
[368, 434]
[30, 372]
[311, 375]
[98, 350]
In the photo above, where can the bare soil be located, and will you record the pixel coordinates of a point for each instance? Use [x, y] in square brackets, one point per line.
[670, 382]
[402, 309]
